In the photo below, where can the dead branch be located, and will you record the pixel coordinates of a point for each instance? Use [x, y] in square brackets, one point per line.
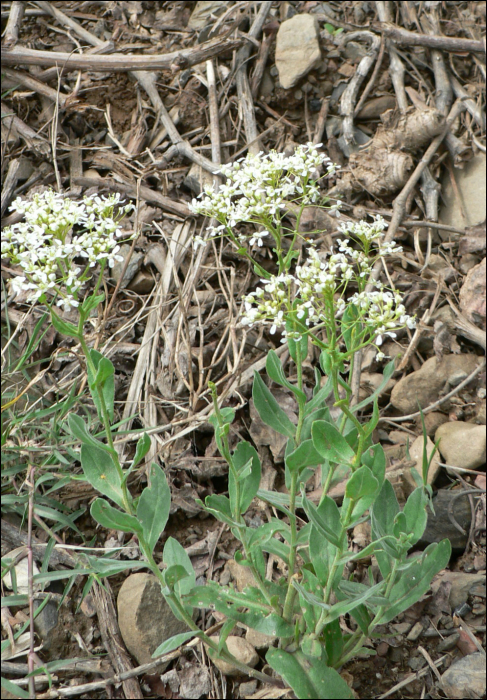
[404, 37]
[119, 63]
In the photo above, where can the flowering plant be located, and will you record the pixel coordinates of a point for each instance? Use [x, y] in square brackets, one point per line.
[320, 300]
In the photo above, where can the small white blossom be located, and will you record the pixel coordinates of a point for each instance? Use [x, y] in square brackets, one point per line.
[49, 250]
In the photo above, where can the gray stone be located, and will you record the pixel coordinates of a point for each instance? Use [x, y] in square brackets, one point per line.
[297, 49]
[144, 617]
[465, 676]
[242, 650]
[46, 620]
[197, 179]
[473, 297]
[259, 640]
[462, 585]
[462, 444]
[471, 187]
[416, 632]
[423, 386]
[133, 267]
[440, 526]
[448, 643]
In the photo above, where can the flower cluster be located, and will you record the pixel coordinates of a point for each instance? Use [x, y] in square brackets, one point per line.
[314, 295]
[60, 240]
[258, 187]
[370, 233]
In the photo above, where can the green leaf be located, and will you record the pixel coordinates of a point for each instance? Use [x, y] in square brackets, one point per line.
[100, 470]
[104, 371]
[219, 507]
[275, 371]
[361, 483]
[269, 410]
[295, 345]
[305, 455]
[113, 519]
[14, 690]
[80, 430]
[174, 555]
[278, 500]
[386, 375]
[262, 534]
[91, 303]
[173, 574]
[243, 455]
[330, 443]
[309, 678]
[417, 579]
[319, 397]
[416, 515]
[348, 605]
[63, 327]
[374, 458]
[143, 445]
[325, 518]
[175, 642]
[225, 631]
[108, 386]
[351, 326]
[153, 506]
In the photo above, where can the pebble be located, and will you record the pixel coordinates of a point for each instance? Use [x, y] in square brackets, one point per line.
[297, 49]
[144, 617]
[462, 585]
[242, 650]
[448, 643]
[416, 632]
[462, 444]
[465, 677]
[439, 525]
[424, 385]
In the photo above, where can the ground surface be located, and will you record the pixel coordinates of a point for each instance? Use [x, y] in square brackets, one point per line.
[170, 324]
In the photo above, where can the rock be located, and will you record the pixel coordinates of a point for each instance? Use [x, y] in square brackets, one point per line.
[297, 49]
[197, 179]
[203, 10]
[448, 643]
[370, 382]
[416, 632]
[242, 575]
[432, 422]
[462, 444]
[471, 186]
[245, 690]
[142, 283]
[472, 295]
[144, 617]
[440, 526]
[416, 452]
[242, 650]
[465, 677]
[259, 640]
[46, 620]
[462, 585]
[133, 267]
[423, 386]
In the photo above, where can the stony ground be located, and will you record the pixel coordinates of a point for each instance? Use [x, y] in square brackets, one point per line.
[387, 88]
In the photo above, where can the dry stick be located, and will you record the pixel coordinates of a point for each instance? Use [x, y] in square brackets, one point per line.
[396, 67]
[9, 184]
[403, 37]
[243, 87]
[467, 328]
[470, 104]
[412, 677]
[321, 121]
[434, 405]
[112, 639]
[146, 193]
[120, 63]
[373, 77]
[261, 63]
[398, 211]
[11, 34]
[349, 97]
[36, 85]
[32, 139]
[420, 327]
